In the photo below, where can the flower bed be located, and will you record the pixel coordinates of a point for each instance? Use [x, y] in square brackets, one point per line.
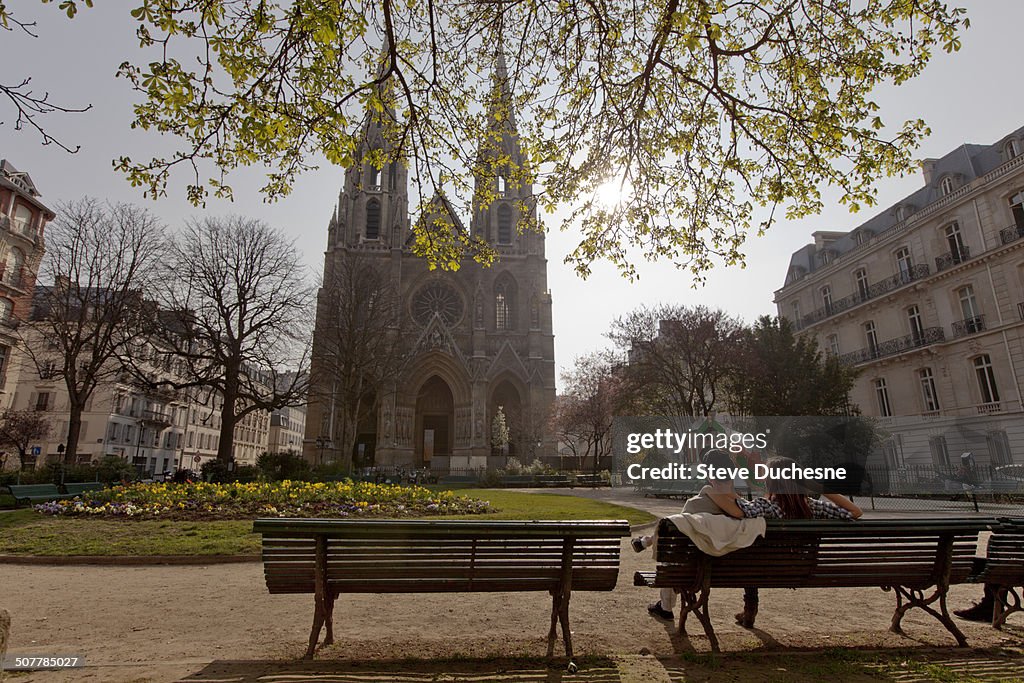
[285, 498]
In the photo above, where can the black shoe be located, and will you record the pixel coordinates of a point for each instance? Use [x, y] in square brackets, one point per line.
[980, 612]
[659, 612]
[638, 544]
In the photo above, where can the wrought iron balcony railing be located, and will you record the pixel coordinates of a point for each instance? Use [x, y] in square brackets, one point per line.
[952, 258]
[891, 347]
[962, 328]
[1011, 234]
[915, 272]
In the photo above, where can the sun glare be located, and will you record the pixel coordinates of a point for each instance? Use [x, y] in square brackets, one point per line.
[611, 193]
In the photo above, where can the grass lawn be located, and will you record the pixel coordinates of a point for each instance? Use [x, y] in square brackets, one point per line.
[27, 532]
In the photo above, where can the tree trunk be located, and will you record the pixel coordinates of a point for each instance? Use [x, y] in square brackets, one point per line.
[228, 419]
[74, 430]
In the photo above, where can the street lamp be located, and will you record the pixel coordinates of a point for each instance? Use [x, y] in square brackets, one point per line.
[322, 442]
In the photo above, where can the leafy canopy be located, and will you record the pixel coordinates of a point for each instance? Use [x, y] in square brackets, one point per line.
[711, 115]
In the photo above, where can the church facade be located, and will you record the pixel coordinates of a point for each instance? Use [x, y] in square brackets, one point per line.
[476, 340]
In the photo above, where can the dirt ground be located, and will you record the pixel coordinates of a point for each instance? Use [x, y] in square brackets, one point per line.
[218, 623]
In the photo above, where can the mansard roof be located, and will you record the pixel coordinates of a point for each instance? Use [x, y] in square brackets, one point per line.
[962, 165]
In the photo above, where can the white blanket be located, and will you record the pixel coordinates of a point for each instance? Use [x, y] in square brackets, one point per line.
[719, 535]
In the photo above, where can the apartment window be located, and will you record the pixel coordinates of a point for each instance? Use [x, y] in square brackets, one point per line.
[940, 452]
[929, 396]
[998, 448]
[860, 237]
[968, 307]
[826, 298]
[114, 432]
[882, 395]
[916, 325]
[860, 276]
[796, 314]
[946, 186]
[504, 224]
[833, 345]
[893, 453]
[871, 334]
[372, 219]
[12, 270]
[986, 379]
[1017, 209]
[43, 401]
[6, 308]
[955, 241]
[903, 263]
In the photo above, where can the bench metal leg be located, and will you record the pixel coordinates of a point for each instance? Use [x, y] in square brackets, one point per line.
[329, 619]
[1007, 602]
[319, 616]
[696, 601]
[909, 598]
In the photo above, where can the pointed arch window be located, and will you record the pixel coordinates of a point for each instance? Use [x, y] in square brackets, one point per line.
[374, 179]
[393, 175]
[502, 185]
[503, 307]
[373, 219]
[504, 224]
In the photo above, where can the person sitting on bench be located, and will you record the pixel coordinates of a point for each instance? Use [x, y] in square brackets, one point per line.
[718, 497]
[788, 499]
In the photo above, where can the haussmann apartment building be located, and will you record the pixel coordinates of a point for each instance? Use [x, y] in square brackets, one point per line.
[926, 299]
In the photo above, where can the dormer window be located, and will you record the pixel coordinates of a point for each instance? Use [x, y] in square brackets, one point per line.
[825, 256]
[860, 237]
[946, 186]
[1011, 150]
[902, 213]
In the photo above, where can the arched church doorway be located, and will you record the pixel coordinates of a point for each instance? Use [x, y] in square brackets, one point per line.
[507, 397]
[435, 410]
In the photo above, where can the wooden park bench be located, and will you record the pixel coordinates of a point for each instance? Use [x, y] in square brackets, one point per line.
[329, 557]
[591, 480]
[29, 494]
[917, 559]
[1003, 567]
[79, 487]
[459, 479]
[553, 480]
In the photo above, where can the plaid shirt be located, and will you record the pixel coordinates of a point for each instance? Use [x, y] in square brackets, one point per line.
[820, 509]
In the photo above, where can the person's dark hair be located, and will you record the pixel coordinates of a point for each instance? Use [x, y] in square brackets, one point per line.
[788, 494]
[717, 458]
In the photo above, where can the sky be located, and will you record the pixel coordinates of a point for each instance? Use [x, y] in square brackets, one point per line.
[975, 95]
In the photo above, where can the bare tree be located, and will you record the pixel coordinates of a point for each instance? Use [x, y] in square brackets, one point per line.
[22, 428]
[680, 357]
[233, 319]
[359, 349]
[101, 259]
[595, 392]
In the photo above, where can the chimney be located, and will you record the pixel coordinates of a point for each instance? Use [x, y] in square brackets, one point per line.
[928, 169]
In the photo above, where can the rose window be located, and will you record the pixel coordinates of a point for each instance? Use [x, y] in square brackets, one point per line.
[439, 299]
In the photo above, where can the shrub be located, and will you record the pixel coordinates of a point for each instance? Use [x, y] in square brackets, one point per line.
[112, 469]
[280, 466]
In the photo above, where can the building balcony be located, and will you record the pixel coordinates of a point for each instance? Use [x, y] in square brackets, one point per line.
[990, 408]
[951, 258]
[968, 326]
[889, 284]
[892, 347]
[1011, 234]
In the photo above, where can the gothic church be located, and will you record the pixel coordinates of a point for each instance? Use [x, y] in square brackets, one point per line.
[481, 337]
